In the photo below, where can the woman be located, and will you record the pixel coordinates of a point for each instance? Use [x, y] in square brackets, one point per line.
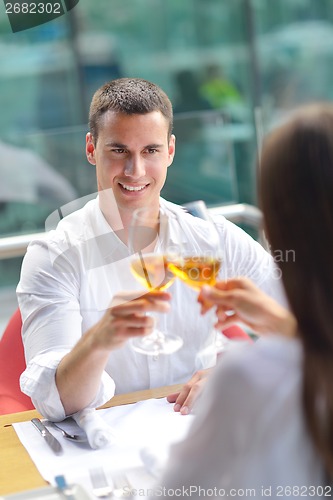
[264, 425]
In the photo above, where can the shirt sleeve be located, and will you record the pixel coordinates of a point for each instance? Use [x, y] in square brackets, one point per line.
[48, 296]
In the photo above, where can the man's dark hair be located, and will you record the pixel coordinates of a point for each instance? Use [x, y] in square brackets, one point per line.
[130, 96]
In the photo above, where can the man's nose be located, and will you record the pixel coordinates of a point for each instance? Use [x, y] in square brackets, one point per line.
[135, 167]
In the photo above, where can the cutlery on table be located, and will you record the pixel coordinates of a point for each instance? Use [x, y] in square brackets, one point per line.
[102, 489]
[79, 438]
[49, 438]
[122, 486]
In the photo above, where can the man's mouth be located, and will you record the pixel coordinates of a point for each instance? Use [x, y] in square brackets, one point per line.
[132, 188]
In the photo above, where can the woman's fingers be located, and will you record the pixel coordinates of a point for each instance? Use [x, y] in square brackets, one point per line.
[235, 283]
[211, 296]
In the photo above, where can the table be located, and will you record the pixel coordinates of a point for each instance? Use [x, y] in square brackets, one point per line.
[17, 471]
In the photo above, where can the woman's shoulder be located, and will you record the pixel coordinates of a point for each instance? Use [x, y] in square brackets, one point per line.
[257, 369]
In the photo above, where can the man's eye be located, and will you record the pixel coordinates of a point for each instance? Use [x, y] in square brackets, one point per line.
[152, 150]
[118, 150]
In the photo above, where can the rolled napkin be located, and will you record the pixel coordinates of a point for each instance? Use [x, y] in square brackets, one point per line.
[99, 433]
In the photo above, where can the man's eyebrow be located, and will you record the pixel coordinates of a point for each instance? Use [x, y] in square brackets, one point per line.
[124, 146]
[154, 146]
[116, 145]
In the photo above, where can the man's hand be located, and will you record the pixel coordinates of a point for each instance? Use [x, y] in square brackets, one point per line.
[127, 318]
[79, 373]
[185, 399]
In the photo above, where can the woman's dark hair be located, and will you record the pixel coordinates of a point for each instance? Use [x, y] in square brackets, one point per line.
[296, 197]
[129, 96]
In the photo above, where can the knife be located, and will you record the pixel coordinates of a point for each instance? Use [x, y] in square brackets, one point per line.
[49, 438]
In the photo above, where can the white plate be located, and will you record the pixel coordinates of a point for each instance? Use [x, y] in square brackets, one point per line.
[50, 493]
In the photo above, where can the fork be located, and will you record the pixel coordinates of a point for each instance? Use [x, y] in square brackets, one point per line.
[101, 488]
[74, 437]
[79, 438]
[122, 486]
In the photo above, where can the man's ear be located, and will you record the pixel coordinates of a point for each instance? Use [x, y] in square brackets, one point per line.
[172, 148]
[90, 149]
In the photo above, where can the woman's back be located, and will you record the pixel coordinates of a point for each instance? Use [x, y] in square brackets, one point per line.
[249, 432]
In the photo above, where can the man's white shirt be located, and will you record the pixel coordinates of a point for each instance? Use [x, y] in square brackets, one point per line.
[68, 281]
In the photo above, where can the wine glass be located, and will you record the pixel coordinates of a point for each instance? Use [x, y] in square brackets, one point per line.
[200, 264]
[149, 265]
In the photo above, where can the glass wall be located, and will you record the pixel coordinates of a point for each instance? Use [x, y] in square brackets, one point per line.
[294, 45]
[232, 69]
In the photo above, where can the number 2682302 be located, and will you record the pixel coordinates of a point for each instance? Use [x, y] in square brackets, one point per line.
[33, 8]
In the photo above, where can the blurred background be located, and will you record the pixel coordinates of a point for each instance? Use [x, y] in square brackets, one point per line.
[232, 68]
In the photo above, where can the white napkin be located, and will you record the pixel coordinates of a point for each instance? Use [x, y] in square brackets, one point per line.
[154, 459]
[99, 433]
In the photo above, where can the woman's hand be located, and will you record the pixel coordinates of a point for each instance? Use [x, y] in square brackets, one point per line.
[239, 300]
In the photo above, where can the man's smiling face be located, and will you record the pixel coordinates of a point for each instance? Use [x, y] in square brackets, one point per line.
[132, 155]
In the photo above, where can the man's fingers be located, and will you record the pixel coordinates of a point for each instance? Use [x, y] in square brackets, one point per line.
[172, 397]
[191, 398]
[185, 399]
[128, 296]
[141, 305]
[180, 397]
[157, 294]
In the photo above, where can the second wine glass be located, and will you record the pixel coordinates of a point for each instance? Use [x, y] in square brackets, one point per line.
[200, 264]
[149, 265]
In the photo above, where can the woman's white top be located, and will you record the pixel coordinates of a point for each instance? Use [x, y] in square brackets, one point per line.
[249, 437]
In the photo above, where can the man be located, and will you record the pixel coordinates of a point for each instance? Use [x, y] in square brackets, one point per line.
[76, 316]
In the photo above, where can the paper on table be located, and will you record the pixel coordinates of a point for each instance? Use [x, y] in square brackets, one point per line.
[148, 424]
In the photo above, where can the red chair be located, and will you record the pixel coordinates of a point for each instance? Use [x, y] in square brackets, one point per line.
[235, 332]
[12, 364]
